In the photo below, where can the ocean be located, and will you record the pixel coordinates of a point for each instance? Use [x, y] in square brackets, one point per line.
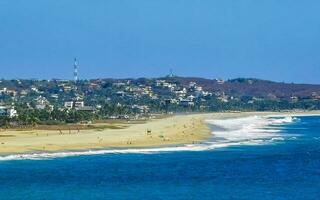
[248, 158]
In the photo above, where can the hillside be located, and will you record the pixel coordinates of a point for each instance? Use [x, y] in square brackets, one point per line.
[252, 87]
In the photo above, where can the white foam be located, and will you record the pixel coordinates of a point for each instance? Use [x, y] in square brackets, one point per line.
[282, 120]
[42, 156]
[253, 130]
[247, 128]
[238, 131]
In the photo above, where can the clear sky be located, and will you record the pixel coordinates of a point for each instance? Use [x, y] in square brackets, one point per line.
[269, 39]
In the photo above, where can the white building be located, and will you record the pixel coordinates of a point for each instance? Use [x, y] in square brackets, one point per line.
[68, 104]
[79, 104]
[8, 111]
[42, 103]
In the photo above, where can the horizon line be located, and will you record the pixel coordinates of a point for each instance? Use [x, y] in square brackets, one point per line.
[159, 77]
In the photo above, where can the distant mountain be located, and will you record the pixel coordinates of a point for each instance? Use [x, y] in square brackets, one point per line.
[252, 87]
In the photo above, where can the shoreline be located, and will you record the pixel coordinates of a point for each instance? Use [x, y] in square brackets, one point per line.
[172, 131]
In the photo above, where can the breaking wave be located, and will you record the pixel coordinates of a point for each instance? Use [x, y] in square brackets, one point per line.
[254, 130]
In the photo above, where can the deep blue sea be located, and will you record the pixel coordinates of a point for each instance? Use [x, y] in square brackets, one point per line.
[285, 165]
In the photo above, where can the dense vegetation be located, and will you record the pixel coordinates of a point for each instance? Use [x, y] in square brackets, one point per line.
[124, 98]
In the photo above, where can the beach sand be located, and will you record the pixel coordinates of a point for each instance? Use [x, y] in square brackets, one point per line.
[157, 132]
[173, 130]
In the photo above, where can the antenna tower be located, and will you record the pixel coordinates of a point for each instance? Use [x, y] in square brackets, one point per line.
[75, 72]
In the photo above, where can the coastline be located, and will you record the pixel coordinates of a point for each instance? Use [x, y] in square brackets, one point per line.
[173, 130]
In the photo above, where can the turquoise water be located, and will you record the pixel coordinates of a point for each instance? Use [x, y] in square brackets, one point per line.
[285, 165]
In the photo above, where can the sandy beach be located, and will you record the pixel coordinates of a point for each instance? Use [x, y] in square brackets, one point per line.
[157, 132]
[173, 130]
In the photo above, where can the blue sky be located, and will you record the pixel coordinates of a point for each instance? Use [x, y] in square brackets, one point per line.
[268, 39]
